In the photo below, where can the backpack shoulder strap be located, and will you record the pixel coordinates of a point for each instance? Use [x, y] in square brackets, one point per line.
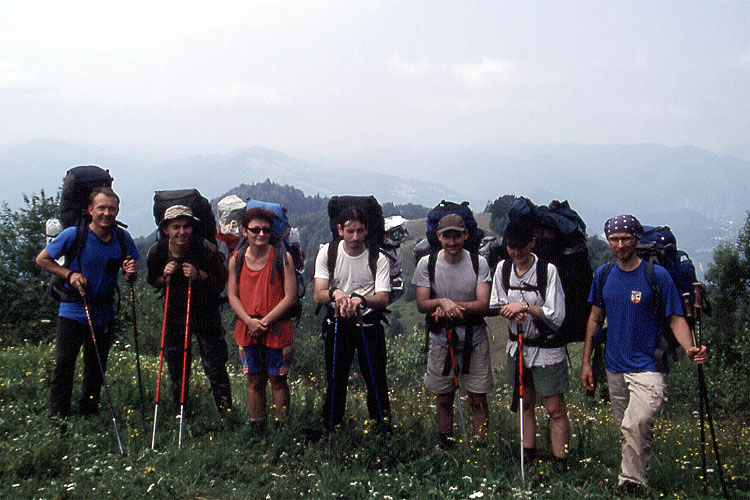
[602, 280]
[475, 262]
[279, 256]
[333, 251]
[239, 258]
[542, 267]
[658, 302]
[506, 269]
[120, 235]
[372, 260]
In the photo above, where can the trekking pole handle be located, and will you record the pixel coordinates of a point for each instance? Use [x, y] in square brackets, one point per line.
[699, 293]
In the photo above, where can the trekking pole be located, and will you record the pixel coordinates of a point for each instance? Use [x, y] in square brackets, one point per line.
[101, 370]
[690, 316]
[161, 361]
[333, 372]
[520, 396]
[137, 357]
[372, 372]
[456, 384]
[702, 388]
[186, 348]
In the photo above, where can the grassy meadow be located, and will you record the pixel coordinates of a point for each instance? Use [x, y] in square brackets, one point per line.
[227, 461]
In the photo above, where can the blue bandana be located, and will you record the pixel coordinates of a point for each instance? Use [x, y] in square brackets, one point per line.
[623, 224]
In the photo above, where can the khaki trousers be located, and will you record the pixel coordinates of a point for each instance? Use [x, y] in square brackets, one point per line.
[637, 400]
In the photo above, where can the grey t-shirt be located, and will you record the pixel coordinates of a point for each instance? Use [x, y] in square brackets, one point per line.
[457, 282]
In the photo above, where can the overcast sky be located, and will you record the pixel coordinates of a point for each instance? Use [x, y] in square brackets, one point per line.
[335, 76]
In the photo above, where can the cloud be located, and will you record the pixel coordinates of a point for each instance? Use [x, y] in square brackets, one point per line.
[243, 93]
[488, 69]
[746, 55]
[409, 69]
[14, 78]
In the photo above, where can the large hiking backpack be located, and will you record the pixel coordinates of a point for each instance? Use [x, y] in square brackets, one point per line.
[77, 185]
[376, 238]
[230, 210]
[430, 245]
[396, 231]
[191, 198]
[493, 250]
[73, 212]
[285, 239]
[561, 240]
[658, 245]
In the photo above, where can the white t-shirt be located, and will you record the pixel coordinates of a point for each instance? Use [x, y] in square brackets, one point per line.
[352, 274]
[552, 306]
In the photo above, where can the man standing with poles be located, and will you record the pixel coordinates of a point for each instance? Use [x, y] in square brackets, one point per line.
[356, 299]
[637, 318]
[194, 271]
[93, 274]
[455, 297]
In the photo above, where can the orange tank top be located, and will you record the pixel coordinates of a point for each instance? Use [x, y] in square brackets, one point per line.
[259, 297]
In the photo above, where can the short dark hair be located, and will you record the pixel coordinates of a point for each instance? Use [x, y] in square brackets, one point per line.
[518, 234]
[106, 191]
[352, 214]
[257, 213]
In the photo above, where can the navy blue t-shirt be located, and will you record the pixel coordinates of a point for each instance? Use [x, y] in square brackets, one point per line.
[633, 331]
[94, 258]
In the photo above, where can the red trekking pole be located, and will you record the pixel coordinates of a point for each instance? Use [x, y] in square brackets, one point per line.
[520, 395]
[161, 360]
[186, 348]
[456, 383]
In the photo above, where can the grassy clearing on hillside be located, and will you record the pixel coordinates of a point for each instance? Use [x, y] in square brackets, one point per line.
[228, 462]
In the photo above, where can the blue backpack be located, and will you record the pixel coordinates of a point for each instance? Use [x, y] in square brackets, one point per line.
[281, 230]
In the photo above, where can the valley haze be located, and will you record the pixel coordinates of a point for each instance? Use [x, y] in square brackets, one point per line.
[702, 196]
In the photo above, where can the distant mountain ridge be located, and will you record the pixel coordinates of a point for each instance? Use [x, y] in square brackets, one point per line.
[703, 196]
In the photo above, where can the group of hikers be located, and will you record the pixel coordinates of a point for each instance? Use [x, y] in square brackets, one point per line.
[456, 290]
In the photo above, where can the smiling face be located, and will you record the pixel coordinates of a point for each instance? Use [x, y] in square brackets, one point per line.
[523, 254]
[257, 232]
[453, 241]
[179, 231]
[623, 245]
[103, 210]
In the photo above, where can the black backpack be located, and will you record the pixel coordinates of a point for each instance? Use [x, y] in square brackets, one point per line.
[375, 223]
[561, 240]
[73, 212]
[191, 198]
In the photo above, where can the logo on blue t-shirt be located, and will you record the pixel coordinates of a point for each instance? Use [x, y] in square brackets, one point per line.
[635, 296]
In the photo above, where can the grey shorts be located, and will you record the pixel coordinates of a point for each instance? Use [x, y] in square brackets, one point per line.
[478, 380]
[547, 380]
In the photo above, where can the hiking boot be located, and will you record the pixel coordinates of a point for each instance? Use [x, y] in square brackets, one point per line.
[560, 464]
[529, 456]
[446, 442]
[629, 488]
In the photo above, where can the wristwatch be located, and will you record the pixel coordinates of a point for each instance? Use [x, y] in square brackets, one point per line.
[527, 307]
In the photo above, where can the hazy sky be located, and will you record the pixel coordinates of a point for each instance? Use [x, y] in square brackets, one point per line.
[335, 76]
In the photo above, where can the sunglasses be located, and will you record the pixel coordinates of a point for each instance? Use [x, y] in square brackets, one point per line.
[258, 230]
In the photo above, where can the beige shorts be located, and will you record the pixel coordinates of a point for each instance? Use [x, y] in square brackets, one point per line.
[478, 380]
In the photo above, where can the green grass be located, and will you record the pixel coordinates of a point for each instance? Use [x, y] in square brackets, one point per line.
[218, 462]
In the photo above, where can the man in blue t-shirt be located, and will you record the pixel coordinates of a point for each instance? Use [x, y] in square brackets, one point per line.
[637, 389]
[93, 275]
